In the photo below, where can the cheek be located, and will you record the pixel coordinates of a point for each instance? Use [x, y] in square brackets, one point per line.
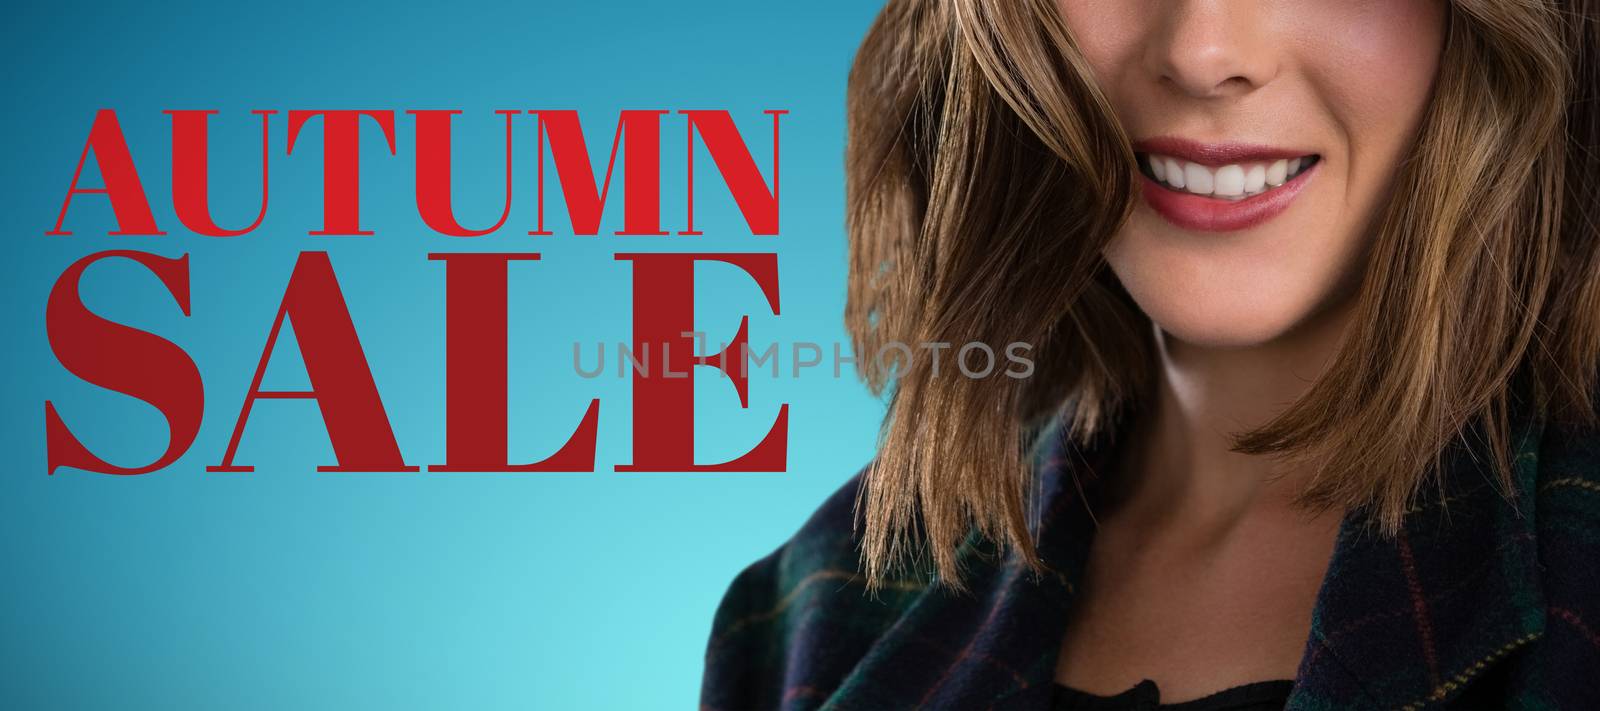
[1372, 64]
[1108, 33]
[1391, 47]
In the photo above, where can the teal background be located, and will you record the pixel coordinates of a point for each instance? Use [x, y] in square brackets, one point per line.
[288, 588]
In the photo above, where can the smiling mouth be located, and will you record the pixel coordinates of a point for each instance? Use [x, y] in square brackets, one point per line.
[1234, 181]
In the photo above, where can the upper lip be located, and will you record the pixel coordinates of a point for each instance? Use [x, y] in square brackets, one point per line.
[1214, 154]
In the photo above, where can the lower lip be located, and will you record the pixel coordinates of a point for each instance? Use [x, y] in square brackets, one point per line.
[1208, 214]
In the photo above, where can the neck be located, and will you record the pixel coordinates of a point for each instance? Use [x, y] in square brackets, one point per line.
[1182, 460]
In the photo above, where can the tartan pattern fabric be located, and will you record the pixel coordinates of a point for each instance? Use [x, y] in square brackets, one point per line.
[1481, 602]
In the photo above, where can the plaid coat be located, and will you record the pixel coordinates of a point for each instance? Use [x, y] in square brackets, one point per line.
[1479, 603]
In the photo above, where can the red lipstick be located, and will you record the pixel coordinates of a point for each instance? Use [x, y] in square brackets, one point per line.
[1214, 154]
[1205, 213]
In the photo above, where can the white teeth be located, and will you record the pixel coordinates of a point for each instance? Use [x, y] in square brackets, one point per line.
[1234, 181]
[1230, 181]
[1255, 179]
[1198, 178]
[1277, 172]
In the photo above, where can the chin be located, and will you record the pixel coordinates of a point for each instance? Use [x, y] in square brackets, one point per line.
[1221, 315]
[1239, 291]
[1221, 328]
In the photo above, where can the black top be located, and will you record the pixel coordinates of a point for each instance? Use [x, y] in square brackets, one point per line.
[1144, 696]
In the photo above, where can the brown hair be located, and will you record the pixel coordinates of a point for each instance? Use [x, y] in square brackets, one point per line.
[986, 173]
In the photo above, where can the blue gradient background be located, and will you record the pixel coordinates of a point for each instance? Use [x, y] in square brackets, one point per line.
[288, 588]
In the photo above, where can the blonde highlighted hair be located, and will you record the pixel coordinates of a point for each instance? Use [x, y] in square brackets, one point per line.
[986, 173]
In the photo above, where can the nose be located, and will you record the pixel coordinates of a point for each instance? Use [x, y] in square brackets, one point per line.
[1211, 48]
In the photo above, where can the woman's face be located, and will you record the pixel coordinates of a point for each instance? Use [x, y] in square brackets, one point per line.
[1268, 134]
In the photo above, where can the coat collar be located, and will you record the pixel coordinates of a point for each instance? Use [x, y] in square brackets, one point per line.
[1399, 622]
[1408, 621]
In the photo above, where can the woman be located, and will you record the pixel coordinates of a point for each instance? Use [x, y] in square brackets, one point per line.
[1313, 291]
